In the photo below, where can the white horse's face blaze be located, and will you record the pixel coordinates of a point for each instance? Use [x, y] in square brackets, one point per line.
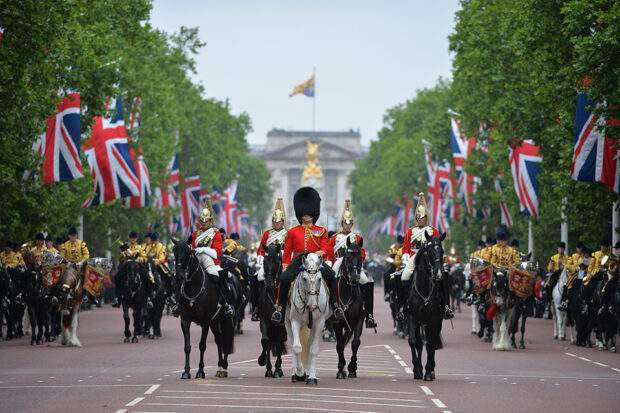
[312, 280]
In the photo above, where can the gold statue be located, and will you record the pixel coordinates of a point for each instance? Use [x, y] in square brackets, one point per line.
[312, 168]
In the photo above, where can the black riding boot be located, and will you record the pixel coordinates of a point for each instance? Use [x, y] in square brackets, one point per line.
[229, 309]
[369, 298]
[445, 299]
[172, 301]
[386, 285]
[334, 297]
[148, 287]
[402, 291]
[254, 284]
[281, 300]
[118, 282]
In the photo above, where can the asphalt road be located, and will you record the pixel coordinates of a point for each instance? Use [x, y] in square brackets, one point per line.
[107, 375]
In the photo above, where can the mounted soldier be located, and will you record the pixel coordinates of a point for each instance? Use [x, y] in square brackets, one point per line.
[76, 253]
[158, 252]
[39, 247]
[302, 239]
[501, 255]
[337, 251]
[277, 236]
[10, 258]
[49, 244]
[207, 244]
[132, 251]
[414, 239]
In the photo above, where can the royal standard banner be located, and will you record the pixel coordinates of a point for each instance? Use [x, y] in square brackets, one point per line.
[93, 280]
[51, 275]
[481, 279]
[521, 282]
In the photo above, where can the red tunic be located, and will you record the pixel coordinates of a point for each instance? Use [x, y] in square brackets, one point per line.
[305, 239]
[331, 254]
[407, 245]
[216, 244]
[263, 241]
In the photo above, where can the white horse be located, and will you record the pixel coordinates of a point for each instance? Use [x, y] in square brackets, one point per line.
[475, 318]
[560, 318]
[305, 318]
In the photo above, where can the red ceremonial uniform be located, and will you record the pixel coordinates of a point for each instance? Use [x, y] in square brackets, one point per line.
[333, 255]
[305, 239]
[263, 241]
[216, 244]
[409, 247]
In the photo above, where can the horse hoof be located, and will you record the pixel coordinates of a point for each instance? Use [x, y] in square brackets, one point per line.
[134, 340]
[428, 376]
[39, 342]
[522, 346]
[152, 337]
[417, 374]
[33, 342]
[297, 378]
[278, 373]
[186, 375]
[555, 337]
[353, 375]
[262, 359]
[200, 375]
[474, 333]
[268, 373]
[221, 373]
[312, 381]
[341, 375]
[126, 340]
[563, 339]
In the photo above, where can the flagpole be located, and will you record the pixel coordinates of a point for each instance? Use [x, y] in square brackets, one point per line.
[615, 221]
[314, 101]
[530, 238]
[564, 226]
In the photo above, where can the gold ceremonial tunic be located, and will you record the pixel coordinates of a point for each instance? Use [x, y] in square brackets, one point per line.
[11, 259]
[37, 252]
[135, 250]
[75, 251]
[158, 251]
[503, 256]
[554, 262]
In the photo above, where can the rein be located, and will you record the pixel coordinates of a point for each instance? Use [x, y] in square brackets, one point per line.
[430, 277]
[203, 286]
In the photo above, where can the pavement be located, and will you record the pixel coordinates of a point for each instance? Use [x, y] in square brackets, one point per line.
[108, 375]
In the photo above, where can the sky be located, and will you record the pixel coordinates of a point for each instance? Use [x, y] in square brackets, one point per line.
[369, 56]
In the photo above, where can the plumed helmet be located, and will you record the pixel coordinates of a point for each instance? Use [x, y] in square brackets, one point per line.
[347, 213]
[307, 201]
[502, 236]
[207, 214]
[421, 211]
[278, 212]
[155, 236]
[58, 240]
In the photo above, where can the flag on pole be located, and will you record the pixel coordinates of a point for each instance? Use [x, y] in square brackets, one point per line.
[506, 218]
[525, 164]
[307, 88]
[230, 206]
[595, 156]
[142, 173]
[190, 201]
[113, 171]
[441, 191]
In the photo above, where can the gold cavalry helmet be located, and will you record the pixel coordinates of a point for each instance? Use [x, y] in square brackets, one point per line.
[420, 210]
[207, 214]
[347, 213]
[278, 212]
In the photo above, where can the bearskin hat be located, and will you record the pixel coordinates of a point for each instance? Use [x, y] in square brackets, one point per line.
[307, 201]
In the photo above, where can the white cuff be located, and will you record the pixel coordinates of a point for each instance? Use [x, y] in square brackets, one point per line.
[259, 260]
[405, 258]
[389, 260]
[206, 250]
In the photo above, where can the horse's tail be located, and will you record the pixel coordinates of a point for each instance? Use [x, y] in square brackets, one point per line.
[279, 339]
[304, 334]
[228, 335]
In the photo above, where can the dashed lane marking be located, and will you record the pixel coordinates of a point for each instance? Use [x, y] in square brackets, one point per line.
[600, 364]
[74, 385]
[439, 403]
[571, 354]
[593, 362]
[152, 389]
[427, 391]
[408, 370]
[263, 407]
[615, 369]
[297, 388]
[584, 359]
[135, 401]
[121, 411]
[303, 394]
[289, 399]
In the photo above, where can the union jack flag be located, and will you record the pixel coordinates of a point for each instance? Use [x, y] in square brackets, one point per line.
[525, 164]
[133, 119]
[60, 144]
[218, 207]
[142, 171]
[254, 230]
[243, 222]
[467, 184]
[387, 226]
[190, 200]
[114, 175]
[230, 206]
[506, 218]
[595, 157]
[399, 220]
[441, 192]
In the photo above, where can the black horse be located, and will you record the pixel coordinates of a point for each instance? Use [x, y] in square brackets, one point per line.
[457, 286]
[13, 303]
[351, 325]
[199, 303]
[133, 296]
[425, 314]
[154, 314]
[38, 308]
[273, 335]
[523, 307]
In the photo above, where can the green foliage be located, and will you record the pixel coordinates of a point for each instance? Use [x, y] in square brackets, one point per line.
[108, 43]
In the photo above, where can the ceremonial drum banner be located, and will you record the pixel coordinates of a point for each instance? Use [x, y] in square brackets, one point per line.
[481, 278]
[521, 282]
[93, 280]
[52, 274]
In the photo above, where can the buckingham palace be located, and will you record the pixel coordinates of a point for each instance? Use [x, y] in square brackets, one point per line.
[286, 154]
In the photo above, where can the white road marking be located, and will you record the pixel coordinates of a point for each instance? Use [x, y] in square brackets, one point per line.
[427, 391]
[571, 354]
[402, 363]
[229, 406]
[152, 389]
[407, 370]
[285, 400]
[397, 357]
[392, 351]
[600, 364]
[615, 369]
[135, 401]
[438, 403]
[73, 386]
[584, 359]
[386, 346]
[447, 411]
[121, 411]
[301, 394]
[297, 388]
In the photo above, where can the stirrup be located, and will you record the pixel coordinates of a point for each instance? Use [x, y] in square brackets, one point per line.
[400, 316]
[370, 322]
[229, 311]
[176, 311]
[563, 306]
[255, 316]
[149, 304]
[449, 314]
[338, 313]
[276, 317]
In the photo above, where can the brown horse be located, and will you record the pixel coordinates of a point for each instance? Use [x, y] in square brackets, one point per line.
[71, 285]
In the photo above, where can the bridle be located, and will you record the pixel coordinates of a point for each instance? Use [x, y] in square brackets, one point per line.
[182, 265]
[436, 262]
[348, 261]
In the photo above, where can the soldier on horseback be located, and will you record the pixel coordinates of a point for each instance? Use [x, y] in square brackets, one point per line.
[157, 251]
[275, 235]
[502, 255]
[76, 252]
[132, 250]
[414, 239]
[304, 238]
[337, 251]
[10, 258]
[38, 249]
[207, 243]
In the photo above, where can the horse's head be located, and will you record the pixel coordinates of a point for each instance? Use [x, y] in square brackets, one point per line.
[69, 286]
[432, 251]
[311, 279]
[133, 274]
[182, 255]
[352, 262]
[272, 263]
[499, 286]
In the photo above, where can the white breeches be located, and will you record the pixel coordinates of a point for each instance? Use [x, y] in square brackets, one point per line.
[408, 271]
[260, 274]
[208, 264]
[363, 277]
